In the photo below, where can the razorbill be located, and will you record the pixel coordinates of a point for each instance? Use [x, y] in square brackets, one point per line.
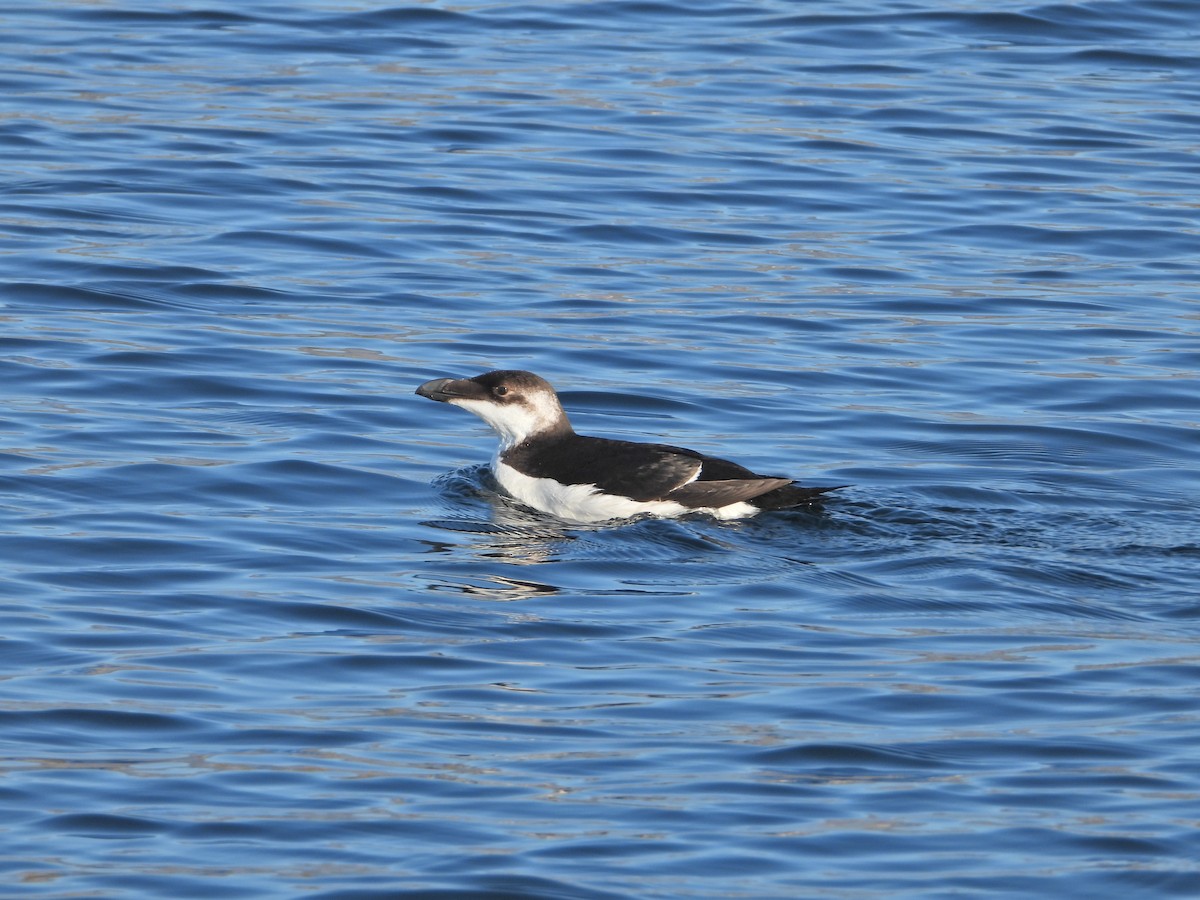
[543, 463]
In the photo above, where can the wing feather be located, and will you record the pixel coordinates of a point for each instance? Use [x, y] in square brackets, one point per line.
[640, 471]
[643, 472]
[715, 494]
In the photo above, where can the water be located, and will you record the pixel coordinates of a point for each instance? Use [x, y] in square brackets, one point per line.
[268, 629]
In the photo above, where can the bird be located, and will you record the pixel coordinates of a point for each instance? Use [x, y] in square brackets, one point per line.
[544, 464]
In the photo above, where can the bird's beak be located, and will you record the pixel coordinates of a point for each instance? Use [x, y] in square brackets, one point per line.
[446, 389]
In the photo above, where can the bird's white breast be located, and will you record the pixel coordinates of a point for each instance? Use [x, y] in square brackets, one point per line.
[584, 503]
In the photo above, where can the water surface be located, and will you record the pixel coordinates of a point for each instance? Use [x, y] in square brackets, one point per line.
[269, 629]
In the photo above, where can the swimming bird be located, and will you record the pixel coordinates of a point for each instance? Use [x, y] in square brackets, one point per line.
[543, 463]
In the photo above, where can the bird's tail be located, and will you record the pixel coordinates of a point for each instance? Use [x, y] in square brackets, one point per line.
[793, 495]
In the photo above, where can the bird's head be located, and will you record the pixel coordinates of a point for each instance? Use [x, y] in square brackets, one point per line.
[518, 405]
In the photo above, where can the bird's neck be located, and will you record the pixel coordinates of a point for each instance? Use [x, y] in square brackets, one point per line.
[548, 433]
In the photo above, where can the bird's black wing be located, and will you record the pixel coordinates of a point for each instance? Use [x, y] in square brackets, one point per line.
[640, 471]
[722, 482]
[715, 494]
[793, 495]
[644, 471]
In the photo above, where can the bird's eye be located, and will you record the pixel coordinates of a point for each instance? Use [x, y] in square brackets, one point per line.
[499, 390]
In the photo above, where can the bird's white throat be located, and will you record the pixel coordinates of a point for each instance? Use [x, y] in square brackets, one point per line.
[515, 422]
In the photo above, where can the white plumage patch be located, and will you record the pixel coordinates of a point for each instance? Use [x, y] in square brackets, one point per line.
[514, 422]
[584, 503]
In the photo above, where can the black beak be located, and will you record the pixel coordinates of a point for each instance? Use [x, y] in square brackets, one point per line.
[444, 389]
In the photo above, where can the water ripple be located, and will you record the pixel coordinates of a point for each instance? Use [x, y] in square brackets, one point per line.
[268, 621]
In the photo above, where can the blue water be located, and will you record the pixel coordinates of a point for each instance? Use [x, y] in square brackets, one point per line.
[269, 631]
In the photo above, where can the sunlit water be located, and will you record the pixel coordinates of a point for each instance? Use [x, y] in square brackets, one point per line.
[268, 629]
